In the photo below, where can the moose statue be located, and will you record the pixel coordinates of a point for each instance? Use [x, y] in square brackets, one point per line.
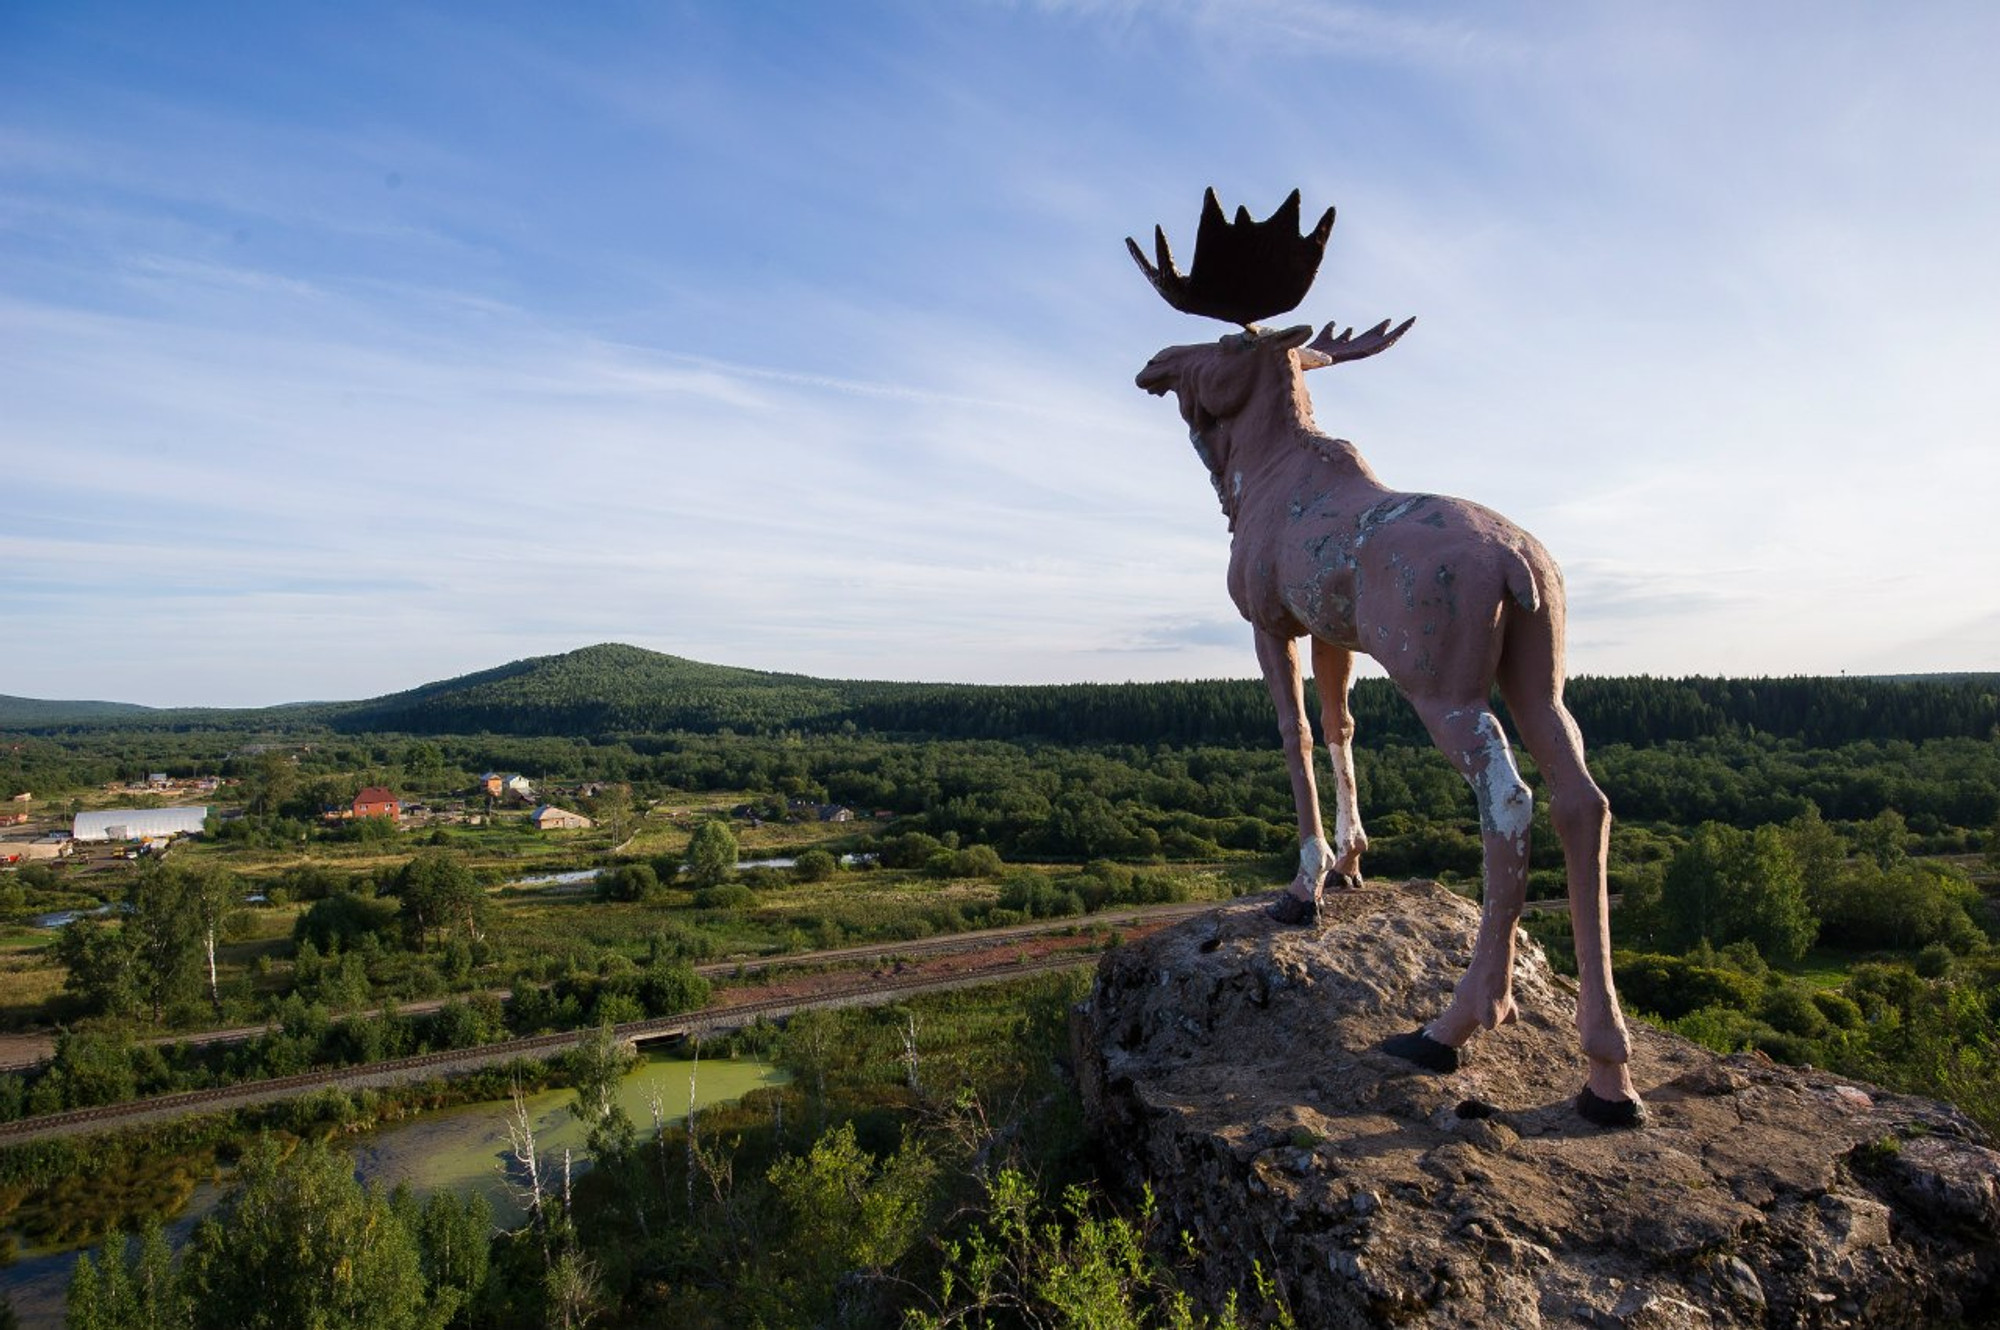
[1450, 598]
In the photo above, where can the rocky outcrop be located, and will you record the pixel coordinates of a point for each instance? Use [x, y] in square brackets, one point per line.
[1235, 1067]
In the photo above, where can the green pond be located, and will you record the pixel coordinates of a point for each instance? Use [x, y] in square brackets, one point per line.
[465, 1149]
[462, 1149]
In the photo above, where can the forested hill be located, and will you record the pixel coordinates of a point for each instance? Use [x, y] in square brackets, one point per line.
[608, 689]
[24, 713]
[614, 690]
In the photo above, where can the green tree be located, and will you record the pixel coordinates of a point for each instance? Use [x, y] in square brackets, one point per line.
[597, 1065]
[1820, 853]
[807, 1049]
[164, 919]
[612, 808]
[100, 968]
[1077, 1267]
[1914, 904]
[271, 784]
[1885, 838]
[847, 1214]
[300, 1245]
[206, 891]
[128, 1290]
[94, 1068]
[454, 1244]
[423, 766]
[712, 854]
[437, 891]
[1727, 885]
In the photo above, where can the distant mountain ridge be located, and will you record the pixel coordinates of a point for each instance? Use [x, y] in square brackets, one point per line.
[613, 690]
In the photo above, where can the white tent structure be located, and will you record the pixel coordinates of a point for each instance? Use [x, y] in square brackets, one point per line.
[138, 823]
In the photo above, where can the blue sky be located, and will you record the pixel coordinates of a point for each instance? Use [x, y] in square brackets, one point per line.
[346, 347]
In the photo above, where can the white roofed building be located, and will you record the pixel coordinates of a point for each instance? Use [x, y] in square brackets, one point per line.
[138, 823]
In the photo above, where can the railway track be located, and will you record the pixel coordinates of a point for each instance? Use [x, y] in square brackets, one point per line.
[944, 945]
[875, 991]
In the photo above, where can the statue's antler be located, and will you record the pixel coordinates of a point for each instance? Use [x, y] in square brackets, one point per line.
[1243, 271]
[1349, 347]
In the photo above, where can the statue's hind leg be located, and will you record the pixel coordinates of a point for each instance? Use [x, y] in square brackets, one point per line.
[1470, 735]
[1531, 681]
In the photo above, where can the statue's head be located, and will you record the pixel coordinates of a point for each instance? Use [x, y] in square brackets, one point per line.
[1216, 380]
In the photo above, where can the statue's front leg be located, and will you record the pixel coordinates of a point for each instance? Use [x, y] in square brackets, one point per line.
[1333, 674]
[1279, 658]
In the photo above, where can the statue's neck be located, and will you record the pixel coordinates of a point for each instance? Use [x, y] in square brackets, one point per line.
[1267, 432]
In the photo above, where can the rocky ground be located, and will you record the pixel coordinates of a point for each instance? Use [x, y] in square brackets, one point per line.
[1235, 1067]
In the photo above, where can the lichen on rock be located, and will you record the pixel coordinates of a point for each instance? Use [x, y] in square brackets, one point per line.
[1236, 1067]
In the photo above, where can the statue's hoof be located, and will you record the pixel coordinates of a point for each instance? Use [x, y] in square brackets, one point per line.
[1289, 909]
[1426, 1052]
[1347, 881]
[1602, 1112]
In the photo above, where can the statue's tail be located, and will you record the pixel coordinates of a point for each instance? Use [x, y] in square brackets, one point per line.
[1521, 584]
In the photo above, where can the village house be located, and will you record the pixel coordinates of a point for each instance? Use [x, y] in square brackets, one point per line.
[508, 785]
[377, 801]
[550, 818]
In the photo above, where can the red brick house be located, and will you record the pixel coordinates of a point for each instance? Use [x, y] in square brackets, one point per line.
[378, 801]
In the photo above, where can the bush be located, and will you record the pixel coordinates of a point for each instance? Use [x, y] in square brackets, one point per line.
[912, 849]
[1790, 1010]
[312, 882]
[1840, 1010]
[339, 922]
[815, 866]
[981, 861]
[632, 882]
[1782, 1047]
[1032, 896]
[732, 896]
[617, 1009]
[669, 987]
[1676, 986]
[1721, 1029]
